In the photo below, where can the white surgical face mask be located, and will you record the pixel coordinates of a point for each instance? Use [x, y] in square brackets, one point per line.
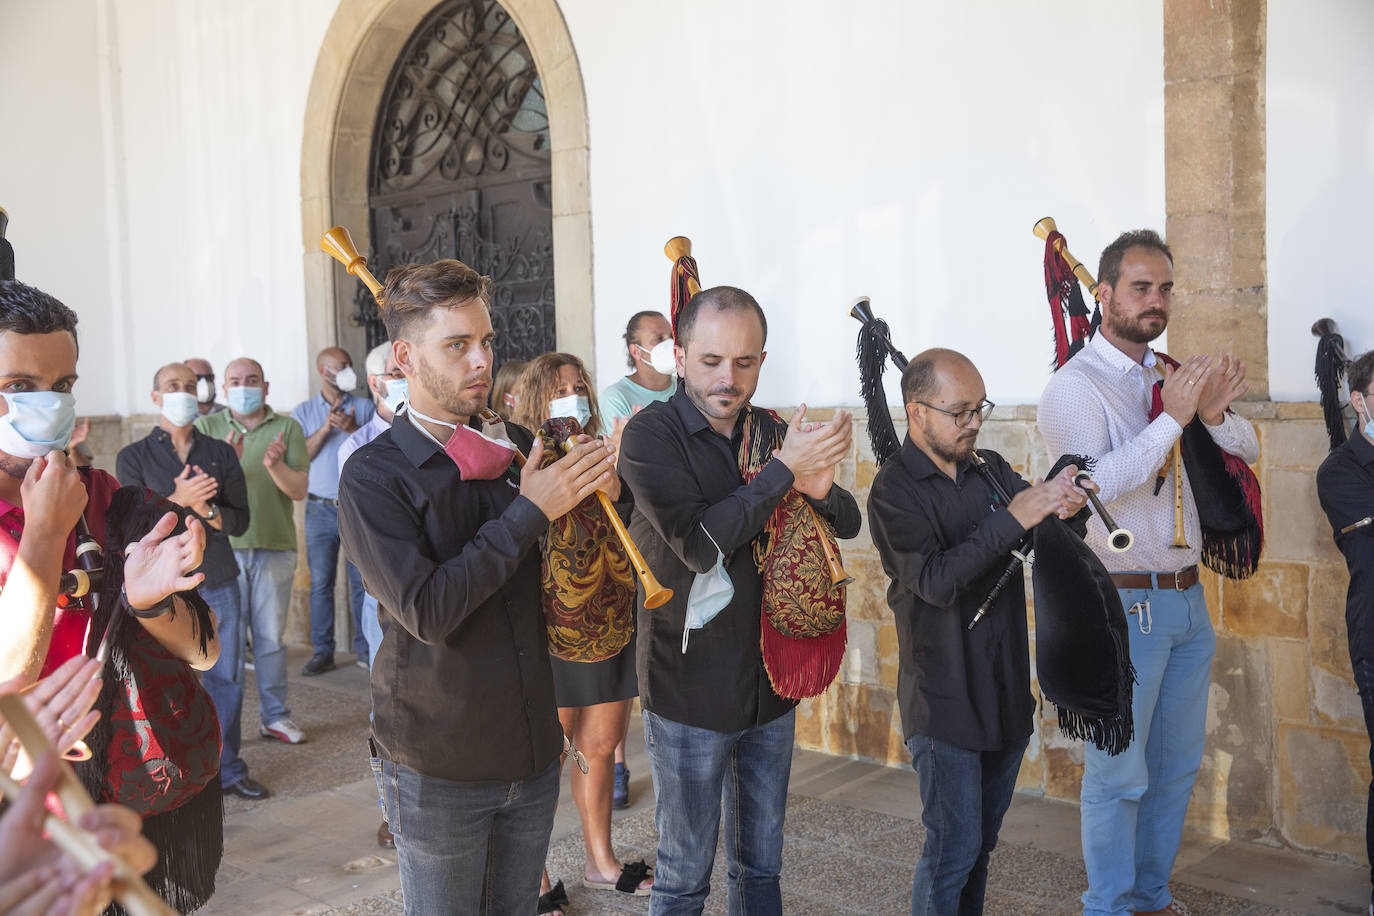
[179, 407]
[243, 399]
[574, 405]
[711, 592]
[346, 379]
[397, 390]
[38, 422]
[205, 390]
[661, 357]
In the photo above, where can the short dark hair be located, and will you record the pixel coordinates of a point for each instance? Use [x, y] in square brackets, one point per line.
[413, 290]
[1109, 265]
[722, 299]
[27, 310]
[1360, 372]
[632, 329]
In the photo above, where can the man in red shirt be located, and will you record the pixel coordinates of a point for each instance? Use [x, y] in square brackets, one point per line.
[42, 495]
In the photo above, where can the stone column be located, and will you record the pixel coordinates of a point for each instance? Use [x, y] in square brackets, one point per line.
[1214, 178]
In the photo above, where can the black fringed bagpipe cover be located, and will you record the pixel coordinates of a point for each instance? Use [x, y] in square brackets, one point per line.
[1227, 495]
[588, 593]
[1329, 369]
[1082, 646]
[156, 746]
[802, 631]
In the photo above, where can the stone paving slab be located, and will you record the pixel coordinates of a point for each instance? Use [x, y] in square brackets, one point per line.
[852, 837]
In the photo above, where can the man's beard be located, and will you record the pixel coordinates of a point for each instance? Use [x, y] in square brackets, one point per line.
[448, 393]
[1134, 330]
[956, 451]
[699, 398]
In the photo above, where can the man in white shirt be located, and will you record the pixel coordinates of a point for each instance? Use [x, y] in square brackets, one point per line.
[649, 351]
[1100, 405]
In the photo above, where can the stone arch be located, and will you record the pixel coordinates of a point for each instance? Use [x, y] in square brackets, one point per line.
[359, 48]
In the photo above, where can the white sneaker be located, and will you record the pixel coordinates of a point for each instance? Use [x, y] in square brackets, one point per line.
[283, 730]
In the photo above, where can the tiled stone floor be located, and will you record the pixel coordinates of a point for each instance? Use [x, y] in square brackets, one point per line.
[852, 837]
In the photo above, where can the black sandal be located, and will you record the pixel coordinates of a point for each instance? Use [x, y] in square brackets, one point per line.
[631, 875]
[555, 901]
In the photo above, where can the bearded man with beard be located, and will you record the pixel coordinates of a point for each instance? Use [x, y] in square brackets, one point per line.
[714, 726]
[944, 538]
[1104, 404]
[442, 524]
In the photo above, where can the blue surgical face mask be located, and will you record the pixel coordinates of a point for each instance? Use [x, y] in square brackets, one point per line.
[711, 592]
[179, 407]
[1367, 416]
[397, 391]
[38, 422]
[243, 399]
[574, 405]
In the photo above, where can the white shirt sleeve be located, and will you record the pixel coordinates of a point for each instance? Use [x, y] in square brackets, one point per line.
[1236, 435]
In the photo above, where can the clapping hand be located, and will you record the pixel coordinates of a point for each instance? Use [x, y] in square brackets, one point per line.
[1225, 384]
[194, 490]
[343, 419]
[235, 440]
[158, 565]
[813, 451]
[276, 450]
[61, 704]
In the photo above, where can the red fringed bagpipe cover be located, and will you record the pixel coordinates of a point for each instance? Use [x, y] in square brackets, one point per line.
[802, 631]
[679, 291]
[589, 586]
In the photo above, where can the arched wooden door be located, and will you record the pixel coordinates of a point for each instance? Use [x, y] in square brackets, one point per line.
[460, 169]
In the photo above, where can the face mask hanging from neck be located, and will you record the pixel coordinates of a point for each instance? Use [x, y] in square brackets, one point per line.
[478, 456]
[38, 422]
[711, 592]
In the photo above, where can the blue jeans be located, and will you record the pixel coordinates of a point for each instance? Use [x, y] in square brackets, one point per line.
[1134, 803]
[322, 554]
[224, 682]
[695, 770]
[468, 847]
[1364, 681]
[265, 592]
[372, 628]
[964, 795]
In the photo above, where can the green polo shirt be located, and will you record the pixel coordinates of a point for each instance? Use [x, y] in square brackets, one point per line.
[270, 524]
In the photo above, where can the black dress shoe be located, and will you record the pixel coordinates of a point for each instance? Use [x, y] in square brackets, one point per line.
[318, 664]
[248, 788]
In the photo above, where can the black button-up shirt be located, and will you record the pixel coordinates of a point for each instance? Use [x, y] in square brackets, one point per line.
[943, 544]
[1345, 486]
[152, 462]
[462, 688]
[684, 474]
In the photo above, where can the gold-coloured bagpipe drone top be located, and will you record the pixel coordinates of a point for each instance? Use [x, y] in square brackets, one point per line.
[802, 631]
[589, 559]
[1225, 489]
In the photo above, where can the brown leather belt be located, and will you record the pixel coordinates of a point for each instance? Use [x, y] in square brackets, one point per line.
[1179, 581]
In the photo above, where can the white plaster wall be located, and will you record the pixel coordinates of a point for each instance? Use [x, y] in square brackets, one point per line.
[159, 192]
[1320, 190]
[52, 179]
[812, 152]
[903, 150]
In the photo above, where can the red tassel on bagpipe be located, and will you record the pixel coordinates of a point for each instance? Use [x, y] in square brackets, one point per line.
[685, 275]
[801, 668]
[1061, 287]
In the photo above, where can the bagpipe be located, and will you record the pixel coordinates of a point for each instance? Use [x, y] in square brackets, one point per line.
[589, 561]
[1082, 650]
[803, 633]
[1329, 369]
[1225, 489]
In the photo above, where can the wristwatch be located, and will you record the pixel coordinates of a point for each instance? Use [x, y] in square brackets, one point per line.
[211, 515]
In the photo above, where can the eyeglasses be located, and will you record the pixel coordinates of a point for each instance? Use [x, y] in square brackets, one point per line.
[963, 418]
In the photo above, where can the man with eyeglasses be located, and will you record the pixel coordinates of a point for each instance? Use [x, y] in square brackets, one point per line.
[944, 538]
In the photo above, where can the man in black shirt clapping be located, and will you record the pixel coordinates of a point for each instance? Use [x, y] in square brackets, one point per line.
[440, 521]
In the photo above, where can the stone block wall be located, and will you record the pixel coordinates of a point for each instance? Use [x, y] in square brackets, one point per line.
[1286, 759]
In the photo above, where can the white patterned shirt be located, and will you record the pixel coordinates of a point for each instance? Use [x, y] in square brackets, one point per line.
[1098, 405]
